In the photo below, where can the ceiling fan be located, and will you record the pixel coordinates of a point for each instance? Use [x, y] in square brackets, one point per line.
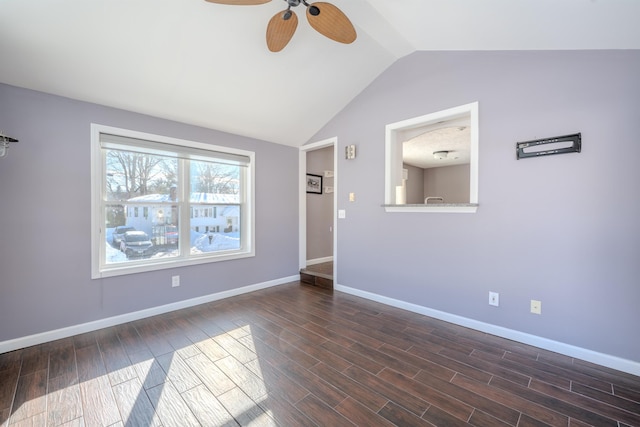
[324, 17]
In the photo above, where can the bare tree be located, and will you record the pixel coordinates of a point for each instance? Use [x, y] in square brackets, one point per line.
[134, 174]
[215, 178]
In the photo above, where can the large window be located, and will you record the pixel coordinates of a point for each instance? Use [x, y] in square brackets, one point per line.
[160, 202]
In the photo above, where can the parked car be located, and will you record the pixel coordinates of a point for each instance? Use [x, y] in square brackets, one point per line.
[171, 235]
[118, 232]
[135, 243]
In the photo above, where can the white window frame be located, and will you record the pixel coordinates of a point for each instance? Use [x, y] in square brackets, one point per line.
[393, 159]
[99, 267]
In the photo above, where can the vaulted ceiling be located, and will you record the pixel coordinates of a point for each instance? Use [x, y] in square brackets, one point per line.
[208, 64]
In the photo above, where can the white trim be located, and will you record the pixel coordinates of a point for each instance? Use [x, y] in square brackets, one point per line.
[302, 200]
[302, 209]
[393, 154]
[57, 334]
[320, 144]
[319, 260]
[431, 209]
[613, 362]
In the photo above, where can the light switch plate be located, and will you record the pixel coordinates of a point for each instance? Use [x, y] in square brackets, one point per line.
[350, 152]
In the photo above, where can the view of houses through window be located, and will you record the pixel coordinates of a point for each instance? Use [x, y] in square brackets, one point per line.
[162, 202]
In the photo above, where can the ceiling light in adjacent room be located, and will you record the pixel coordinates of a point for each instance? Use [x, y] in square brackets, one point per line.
[440, 155]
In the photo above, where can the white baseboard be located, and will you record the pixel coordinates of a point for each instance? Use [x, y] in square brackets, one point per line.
[319, 260]
[602, 359]
[57, 334]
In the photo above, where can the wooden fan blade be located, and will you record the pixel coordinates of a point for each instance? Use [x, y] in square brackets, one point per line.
[239, 2]
[331, 22]
[280, 30]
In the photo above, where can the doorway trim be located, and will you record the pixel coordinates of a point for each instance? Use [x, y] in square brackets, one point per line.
[302, 204]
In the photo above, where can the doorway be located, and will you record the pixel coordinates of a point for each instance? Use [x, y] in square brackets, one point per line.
[317, 229]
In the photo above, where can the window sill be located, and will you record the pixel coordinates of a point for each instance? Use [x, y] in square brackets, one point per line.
[121, 269]
[439, 208]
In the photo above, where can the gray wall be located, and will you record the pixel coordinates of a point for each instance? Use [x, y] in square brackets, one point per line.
[320, 207]
[45, 218]
[562, 229]
[449, 182]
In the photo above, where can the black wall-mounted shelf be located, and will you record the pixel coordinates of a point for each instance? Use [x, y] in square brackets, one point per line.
[548, 146]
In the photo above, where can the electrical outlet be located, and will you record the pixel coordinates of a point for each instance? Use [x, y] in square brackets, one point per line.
[494, 298]
[536, 306]
[175, 281]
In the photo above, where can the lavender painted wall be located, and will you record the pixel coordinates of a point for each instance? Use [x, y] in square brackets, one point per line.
[45, 207]
[562, 229]
[320, 207]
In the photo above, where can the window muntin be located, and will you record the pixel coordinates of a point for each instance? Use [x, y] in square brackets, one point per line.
[164, 186]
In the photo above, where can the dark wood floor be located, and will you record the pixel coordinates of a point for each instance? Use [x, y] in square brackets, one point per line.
[301, 356]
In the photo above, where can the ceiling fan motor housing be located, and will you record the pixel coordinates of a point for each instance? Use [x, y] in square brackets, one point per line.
[313, 10]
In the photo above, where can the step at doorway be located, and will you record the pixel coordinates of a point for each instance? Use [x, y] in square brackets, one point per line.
[320, 275]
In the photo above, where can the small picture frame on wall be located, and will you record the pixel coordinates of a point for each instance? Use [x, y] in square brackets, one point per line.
[314, 184]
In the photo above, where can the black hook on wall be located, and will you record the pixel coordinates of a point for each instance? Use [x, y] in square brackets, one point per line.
[4, 143]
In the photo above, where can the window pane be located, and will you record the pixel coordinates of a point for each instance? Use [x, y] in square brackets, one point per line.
[141, 238]
[214, 180]
[220, 233]
[215, 197]
[145, 186]
[146, 177]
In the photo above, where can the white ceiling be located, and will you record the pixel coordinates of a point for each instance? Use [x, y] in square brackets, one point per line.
[207, 64]
[454, 141]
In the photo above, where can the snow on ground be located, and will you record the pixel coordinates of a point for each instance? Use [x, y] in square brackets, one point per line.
[199, 245]
[219, 242]
[114, 255]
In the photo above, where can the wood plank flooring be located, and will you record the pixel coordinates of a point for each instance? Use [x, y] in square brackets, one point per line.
[297, 355]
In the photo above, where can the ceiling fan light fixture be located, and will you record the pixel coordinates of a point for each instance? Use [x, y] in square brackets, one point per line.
[331, 23]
